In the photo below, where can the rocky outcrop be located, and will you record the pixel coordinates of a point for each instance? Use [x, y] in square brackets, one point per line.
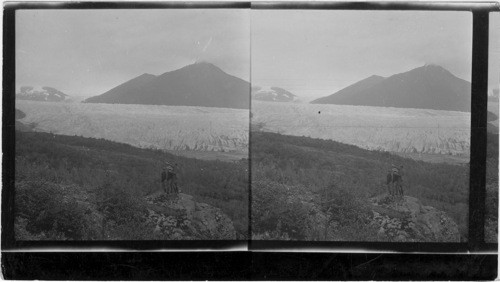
[179, 217]
[406, 219]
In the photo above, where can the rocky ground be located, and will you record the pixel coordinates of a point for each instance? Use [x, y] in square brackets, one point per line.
[179, 217]
[79, 214]
[406, 219]
[381, 218]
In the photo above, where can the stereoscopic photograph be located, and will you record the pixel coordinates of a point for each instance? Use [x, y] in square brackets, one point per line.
[132, 124]
[360, 125]
[136, 124]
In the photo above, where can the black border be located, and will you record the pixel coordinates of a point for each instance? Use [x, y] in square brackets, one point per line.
[255, 265]
[8, 129]
[246, 266]
[378, 5]
[479, 109]
[48, 5]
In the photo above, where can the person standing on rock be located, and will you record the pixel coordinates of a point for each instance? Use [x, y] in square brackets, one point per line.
[163, 177]
[172, 179]
[394, 182]
[401, 174]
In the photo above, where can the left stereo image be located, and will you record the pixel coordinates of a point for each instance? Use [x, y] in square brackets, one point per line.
[132, 124]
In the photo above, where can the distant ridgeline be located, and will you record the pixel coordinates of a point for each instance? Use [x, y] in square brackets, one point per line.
[272, 94]
[292, 177]
[427, 87]
[76, 188]
[46, 94]
[200, 84]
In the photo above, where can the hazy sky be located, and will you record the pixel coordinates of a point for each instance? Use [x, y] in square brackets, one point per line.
[87, 52]
[494, 53]
[314, 53]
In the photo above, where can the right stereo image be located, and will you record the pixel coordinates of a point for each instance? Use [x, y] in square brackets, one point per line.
[361, 126]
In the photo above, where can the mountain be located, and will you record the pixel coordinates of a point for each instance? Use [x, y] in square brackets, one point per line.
[126, 92]
[427, 87]
[20, 114]
[491, 117]
[273, 94]
[344, 96]
[494, 95]
[492, 125]
[200, 84]
[46, 94]
[20, 126]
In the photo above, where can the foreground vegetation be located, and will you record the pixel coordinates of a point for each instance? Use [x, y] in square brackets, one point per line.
[491, 222]
[340, 178]
[70, 187]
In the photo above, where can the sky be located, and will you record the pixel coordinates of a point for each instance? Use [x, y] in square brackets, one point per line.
[494, 53]
[314, 53]
[88, 52]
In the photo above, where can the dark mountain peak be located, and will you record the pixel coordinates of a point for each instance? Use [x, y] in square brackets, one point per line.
[197, 84]
[142, 77]
[147, 75]
[353, 89]
[431, 69]
[433, 66]
[427, 87]
[202, 62]
[376, 77]
[202, 65]
[197, 68]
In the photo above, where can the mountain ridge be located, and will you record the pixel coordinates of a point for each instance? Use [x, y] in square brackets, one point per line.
[45, 94]
[199, 84]
[426, 87]
[273, 94]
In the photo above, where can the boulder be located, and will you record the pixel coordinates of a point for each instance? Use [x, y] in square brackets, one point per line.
[179, 217]
[406, 219]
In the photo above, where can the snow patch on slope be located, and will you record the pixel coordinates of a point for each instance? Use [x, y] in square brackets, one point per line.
[273, 94]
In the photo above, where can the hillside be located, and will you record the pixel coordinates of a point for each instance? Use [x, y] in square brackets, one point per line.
[374, 128]
[491, 222]
[427, 87]
[180, 128]
[126, 93]
[272, 94]
[45, 94]
[298, 183]
[200, 84]
[77, 188]
[346, 95]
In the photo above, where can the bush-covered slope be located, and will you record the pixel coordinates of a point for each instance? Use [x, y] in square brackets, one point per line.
[347, 174]
[58, 176]
[491, 222]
